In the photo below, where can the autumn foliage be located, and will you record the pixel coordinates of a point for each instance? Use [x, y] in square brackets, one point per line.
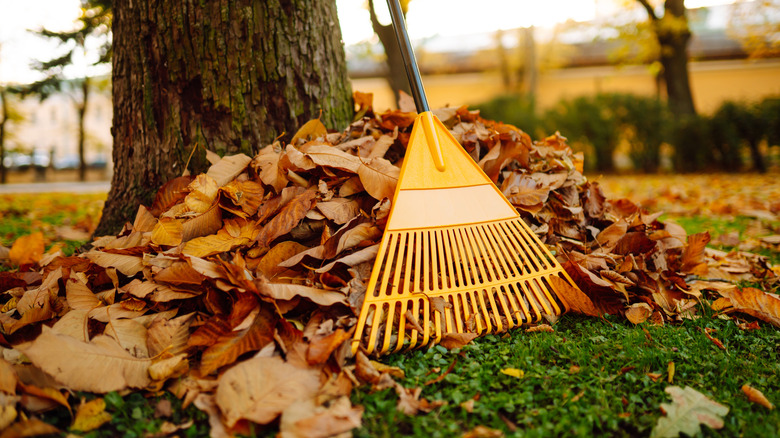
[238, 289]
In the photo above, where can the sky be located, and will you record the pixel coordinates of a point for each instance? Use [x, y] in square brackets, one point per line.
[425, 18]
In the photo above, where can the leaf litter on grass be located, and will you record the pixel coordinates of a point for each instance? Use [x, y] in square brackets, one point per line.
[257, 268]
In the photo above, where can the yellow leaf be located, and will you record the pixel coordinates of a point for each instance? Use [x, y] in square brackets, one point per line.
[27, 250]
[234, 233]
[91, 415]
[203, 192]
[514, 372]
[670, 371]
[8, 378]
[167, 231]
[310, 130]
[128, 265]
[26, 428]
[7, 415]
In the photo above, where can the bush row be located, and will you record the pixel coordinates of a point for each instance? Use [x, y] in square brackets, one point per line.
[736, 137]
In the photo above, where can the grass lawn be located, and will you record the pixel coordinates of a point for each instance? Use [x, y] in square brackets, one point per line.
[589, 377]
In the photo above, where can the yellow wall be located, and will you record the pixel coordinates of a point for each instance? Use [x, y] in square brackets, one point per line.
[712, 82]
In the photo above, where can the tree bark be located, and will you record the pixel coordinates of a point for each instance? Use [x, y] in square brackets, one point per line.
[396, 70]
[673, 34]
[81, 110]
[227, 75]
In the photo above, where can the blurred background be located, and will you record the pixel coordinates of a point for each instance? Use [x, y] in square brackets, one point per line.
[640, 86]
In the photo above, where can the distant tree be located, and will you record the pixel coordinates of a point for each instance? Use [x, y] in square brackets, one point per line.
[4, 119]
[755, 25]
[673, 34]
[93, 25]
[396, 72]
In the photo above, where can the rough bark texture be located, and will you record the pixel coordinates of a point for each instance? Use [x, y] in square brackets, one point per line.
[81, 110]
[673, 34]
[396, 70]
[228, 75]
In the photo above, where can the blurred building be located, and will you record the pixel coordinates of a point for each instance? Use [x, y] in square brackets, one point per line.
[48, 134]
[576, 59]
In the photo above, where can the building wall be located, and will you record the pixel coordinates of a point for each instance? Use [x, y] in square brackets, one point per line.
[712, 82]
[50, 126]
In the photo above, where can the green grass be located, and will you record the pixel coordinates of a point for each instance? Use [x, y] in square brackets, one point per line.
[22, 214]
[610, 393]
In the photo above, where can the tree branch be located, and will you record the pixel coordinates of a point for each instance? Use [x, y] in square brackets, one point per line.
[649, 8]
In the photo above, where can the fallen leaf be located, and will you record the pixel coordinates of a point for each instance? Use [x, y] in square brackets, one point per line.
[304, 419]
[27, 428]
[74, 363]
[91, 415]
[757, 397]
[312, 129]
[229, 167]
[639, 313]
[261, 388]
[575, 300]
[27, 250]
[755, 302]
[379, 177]
[514, 372]
[688, 410]
[228, 347]
[540, 328]
[168, 232]
[451, 341]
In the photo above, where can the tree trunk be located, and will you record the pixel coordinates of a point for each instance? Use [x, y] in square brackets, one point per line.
[531, 67]
[229, 75]
[396, 70]
[673, 34]
[81, 109]
[3, 120]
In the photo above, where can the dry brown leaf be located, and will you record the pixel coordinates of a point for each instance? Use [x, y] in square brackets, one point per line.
[79, 296]
[267, 164]
[693, 256]
[226, 169]
[202, 225]
[260, 389]
[169, 335]
[74, 363]
[451, 341]
[525, 192]
[28, 428]
[755, 302]
[289, 216]
[688, 410]
[269, 264]
[130, 334]
[757, 397]
[576, 301]
[203, 192]
[128, 265]
[329, 156]
[339, 210]
[321, 346]
[639, 313]
[170, 194]
[379, 178]
[27, 250]
[241, 198]
[233, 344]
[286, 292]
[540, 328]
[8, 378]
[304, 419]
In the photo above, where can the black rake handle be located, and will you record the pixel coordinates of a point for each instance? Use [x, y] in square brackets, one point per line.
[412, 71]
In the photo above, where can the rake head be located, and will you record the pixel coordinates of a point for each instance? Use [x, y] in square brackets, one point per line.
[456, 257]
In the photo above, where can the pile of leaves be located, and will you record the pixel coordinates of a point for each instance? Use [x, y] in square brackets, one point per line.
[238, 289]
